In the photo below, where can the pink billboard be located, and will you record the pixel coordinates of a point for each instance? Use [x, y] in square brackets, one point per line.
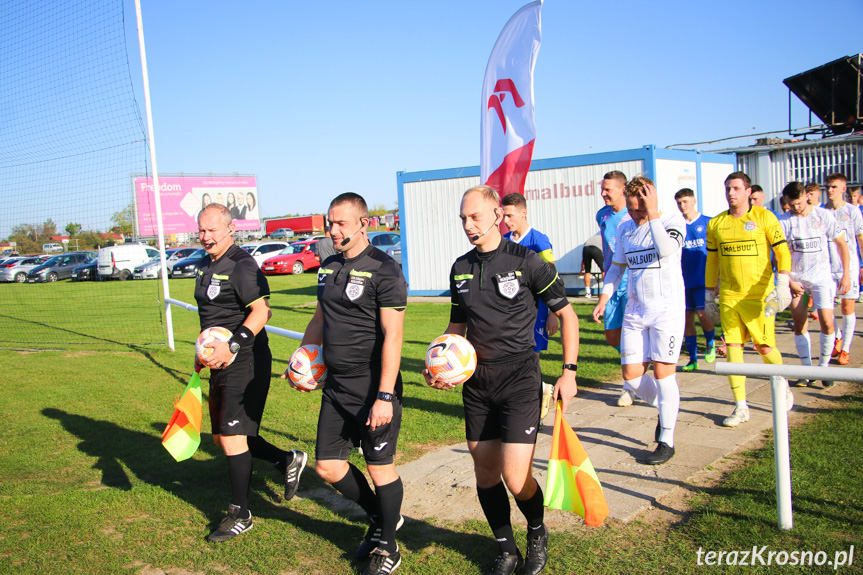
[183, 197]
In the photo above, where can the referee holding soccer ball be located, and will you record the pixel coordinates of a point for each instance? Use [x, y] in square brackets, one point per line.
[495, 289]
[359, 321]
[233, 293]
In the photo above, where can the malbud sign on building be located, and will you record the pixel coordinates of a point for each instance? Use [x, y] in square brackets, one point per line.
[507, 126]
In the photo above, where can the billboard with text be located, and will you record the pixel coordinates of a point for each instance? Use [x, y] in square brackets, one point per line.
[183, 197]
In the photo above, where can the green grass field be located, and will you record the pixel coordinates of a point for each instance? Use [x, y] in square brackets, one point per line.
[86, 487]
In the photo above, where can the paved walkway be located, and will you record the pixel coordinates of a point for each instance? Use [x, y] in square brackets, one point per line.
[441, 484]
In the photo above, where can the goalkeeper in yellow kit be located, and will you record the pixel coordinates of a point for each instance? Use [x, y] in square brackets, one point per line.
[739, 245]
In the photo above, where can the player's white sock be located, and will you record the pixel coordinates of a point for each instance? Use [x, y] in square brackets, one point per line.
[804, 345]
[828, 340]
[849, 323]
[742, 404]
[669, 406]
[644, 387]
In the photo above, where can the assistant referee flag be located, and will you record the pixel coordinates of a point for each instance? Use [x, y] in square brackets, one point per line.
[572, 484]
[182, 435]
[507, 127]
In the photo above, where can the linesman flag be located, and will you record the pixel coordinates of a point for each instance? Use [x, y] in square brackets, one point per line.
[182, 436]
[572, 484]
[507, 127]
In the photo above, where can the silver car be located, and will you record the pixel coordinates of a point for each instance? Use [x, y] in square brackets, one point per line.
[153, 268]
[15, 270]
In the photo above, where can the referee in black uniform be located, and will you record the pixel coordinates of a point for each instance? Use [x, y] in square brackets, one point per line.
[359, 321]
[232, 292]
[495, 289]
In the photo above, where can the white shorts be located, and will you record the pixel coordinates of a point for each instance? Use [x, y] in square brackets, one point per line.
[653, 336]
[822, 293]
[854, 290]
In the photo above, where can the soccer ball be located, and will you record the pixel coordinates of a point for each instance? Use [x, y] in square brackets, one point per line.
[306, 369]
[210, 335]
[451, 359]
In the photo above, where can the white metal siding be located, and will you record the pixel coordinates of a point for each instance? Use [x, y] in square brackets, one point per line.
[713, 187]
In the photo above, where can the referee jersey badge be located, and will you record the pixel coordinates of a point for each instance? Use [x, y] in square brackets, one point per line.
[507, 284]
[214, 288]
[355, 287]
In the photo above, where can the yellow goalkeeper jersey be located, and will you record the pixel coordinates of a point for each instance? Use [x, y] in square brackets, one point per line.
[738, 253]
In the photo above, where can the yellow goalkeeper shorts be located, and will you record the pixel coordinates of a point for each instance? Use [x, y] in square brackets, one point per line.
[743, 319]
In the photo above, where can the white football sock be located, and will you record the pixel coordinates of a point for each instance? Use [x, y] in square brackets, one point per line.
[644, 387]
[828, 340]
[669, 406]
[849, 324]
[804, 345]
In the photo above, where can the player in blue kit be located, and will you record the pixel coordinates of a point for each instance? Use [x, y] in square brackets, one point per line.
[693, 261]
[515, 218]
[609, 219]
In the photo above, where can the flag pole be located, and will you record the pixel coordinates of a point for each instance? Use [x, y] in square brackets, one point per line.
[166, 293]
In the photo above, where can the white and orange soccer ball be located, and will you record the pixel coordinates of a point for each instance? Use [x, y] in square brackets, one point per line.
[210, 335]
[306, 368]
[451, 359]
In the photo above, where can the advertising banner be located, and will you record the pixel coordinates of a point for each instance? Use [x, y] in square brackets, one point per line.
[183, 197]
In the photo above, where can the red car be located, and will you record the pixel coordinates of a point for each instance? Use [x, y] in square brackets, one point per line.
[294, 259]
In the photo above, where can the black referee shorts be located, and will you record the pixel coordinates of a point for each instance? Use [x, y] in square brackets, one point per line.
[345, 406]
[238, 393]
[502, 400]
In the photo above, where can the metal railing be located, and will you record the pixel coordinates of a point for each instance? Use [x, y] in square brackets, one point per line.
[781, 449]
[270, 329]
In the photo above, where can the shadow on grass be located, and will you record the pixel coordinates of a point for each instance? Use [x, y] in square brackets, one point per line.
[204, 484]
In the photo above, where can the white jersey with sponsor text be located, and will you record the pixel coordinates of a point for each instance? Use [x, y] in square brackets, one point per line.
[808, 240]
[654, 283]
[849, 218]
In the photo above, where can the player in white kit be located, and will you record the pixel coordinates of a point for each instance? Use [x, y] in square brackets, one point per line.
[809, 230]
[647, 250]
[849, 218]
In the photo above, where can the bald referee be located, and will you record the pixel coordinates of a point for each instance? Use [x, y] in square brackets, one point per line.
[495, 289]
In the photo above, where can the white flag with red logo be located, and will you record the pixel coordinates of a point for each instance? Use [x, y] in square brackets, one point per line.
[508, 130]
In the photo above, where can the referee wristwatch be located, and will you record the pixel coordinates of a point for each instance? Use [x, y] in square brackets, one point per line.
[234, 347]
[570, 366]
[384, 396]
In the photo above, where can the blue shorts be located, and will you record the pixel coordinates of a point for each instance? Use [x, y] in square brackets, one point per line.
[695, 299]
[614, 310]
[540, 334]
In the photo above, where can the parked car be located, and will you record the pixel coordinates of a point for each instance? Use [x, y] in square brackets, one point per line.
[52, 248]
[264, 250]
[15, 269]
[86, 272]
[120, 261]
[188, 268]
[59, 267]
[282, 234]
[294, 259]
[389, 243]
[153, 268]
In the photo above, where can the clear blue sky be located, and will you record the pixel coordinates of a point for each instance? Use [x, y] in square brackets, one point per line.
[320, 98]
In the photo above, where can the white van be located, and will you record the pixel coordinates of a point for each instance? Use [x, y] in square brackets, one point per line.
[120, 261]
[52, 248]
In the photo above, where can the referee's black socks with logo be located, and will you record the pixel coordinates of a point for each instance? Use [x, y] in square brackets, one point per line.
[262, 449]
[355, 487]
[390, 504]
[495, 504]
[240, 471]
[534, 512]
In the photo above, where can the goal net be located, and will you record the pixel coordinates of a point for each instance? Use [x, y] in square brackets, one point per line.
[71, 141]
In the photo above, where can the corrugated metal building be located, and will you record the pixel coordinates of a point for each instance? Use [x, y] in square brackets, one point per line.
[562, 200]
[773, 166]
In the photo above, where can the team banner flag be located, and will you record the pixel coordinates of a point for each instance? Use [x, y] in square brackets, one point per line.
[182, 436]
[507, 128]
[572, 484]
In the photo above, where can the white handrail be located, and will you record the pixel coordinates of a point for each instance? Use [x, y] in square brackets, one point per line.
[270, 329]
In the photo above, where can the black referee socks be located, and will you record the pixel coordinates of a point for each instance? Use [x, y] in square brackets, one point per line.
[495, 505]
[533, 510]
[240, 471]
[355, 487]
[390, 504]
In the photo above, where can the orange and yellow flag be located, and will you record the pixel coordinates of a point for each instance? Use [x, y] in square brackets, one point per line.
[182, 436]
[572, 483]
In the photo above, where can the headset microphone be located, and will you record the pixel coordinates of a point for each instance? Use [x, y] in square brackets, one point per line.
[348, 239]
[475, 237]
[211, 244]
